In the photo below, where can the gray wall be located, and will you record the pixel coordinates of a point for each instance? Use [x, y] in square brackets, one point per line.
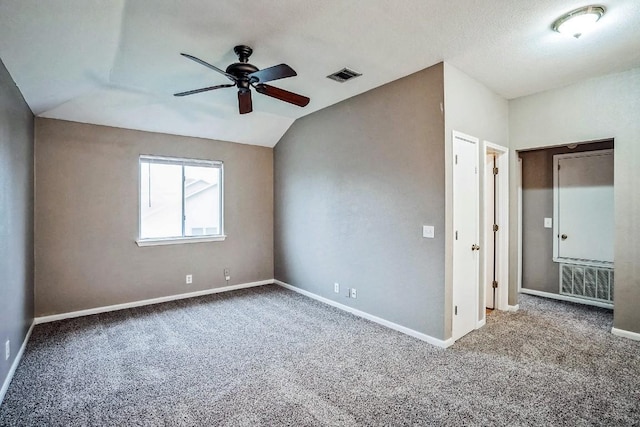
[86, 218]
[16, 219]
[473, 109]
[354, 183]
[539, 272]
[592, 110]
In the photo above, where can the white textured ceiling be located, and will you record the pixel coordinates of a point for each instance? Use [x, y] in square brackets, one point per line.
[117, 62]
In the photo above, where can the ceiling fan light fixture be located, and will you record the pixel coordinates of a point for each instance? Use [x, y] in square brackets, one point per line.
[579, 21]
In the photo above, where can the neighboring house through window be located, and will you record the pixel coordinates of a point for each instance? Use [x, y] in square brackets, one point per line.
[180, 200]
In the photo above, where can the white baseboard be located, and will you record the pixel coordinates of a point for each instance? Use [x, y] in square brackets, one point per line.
[566, 298]
[481, 323]
[424, 337]
[513, 308]
[14, 365]
[90, 311]
[625, 334]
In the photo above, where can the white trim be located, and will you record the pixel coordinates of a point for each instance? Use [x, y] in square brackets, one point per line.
[215, 164]
[485, 232]
[566, 298]
[556, 208]
[104, 309]
[179, 240]
[519, 195]
[482, 322]
[502, 275]
[423, 337]
[585, 262]
[16, 362]
[465, 137]
[513, 308]
[167, 160]
[625, 334]
[221, 207]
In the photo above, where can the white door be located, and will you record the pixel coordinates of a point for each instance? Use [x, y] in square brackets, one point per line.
[584, 207]
[465, 238]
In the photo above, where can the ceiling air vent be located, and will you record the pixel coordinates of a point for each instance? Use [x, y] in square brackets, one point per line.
[343, 75]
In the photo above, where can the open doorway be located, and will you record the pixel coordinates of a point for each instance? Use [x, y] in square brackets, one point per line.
[545, 269]
[495, 228]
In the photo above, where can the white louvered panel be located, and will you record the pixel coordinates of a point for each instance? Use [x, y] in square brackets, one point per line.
[588, 282]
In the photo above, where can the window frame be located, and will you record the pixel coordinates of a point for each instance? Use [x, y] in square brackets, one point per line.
[158, 241]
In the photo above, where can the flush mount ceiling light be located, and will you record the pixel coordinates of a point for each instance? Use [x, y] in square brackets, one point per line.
[578, 21]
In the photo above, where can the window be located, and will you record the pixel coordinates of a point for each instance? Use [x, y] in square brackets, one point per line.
[180, 200]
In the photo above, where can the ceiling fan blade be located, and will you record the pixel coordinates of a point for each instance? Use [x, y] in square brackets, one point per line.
[244, 101]
[206, 64]
[272, 73]
[204, 89]
[283, 95]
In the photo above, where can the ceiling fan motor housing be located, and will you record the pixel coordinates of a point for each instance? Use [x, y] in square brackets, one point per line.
[241, 70]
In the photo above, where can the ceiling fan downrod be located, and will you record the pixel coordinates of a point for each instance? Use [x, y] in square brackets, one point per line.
[243, 52]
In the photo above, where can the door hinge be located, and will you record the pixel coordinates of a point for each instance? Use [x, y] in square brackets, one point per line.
[495, 171]
[495, 226]
[476, 170]
[456, 234]
[558, 166]
[494, 284]
[456, 159]
[455, 310]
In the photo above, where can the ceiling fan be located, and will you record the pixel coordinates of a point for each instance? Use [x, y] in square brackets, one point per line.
[245, 76]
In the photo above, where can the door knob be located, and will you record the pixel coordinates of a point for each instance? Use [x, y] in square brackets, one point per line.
[475, 247]
[563, 237]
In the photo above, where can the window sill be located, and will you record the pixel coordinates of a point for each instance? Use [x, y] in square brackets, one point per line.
[179, 240]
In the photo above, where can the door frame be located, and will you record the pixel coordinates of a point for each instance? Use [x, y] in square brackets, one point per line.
[502, 253]
[520, 240]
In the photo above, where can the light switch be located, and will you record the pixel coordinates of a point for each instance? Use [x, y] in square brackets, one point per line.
[548, 223]
[428, 231]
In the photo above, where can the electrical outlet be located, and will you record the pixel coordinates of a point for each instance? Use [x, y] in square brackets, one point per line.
[7, 350]
[336, 288]
[352, 293]
[189, 279]
[227, 274]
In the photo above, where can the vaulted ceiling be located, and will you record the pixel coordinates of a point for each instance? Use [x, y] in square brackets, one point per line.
[117, 62]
